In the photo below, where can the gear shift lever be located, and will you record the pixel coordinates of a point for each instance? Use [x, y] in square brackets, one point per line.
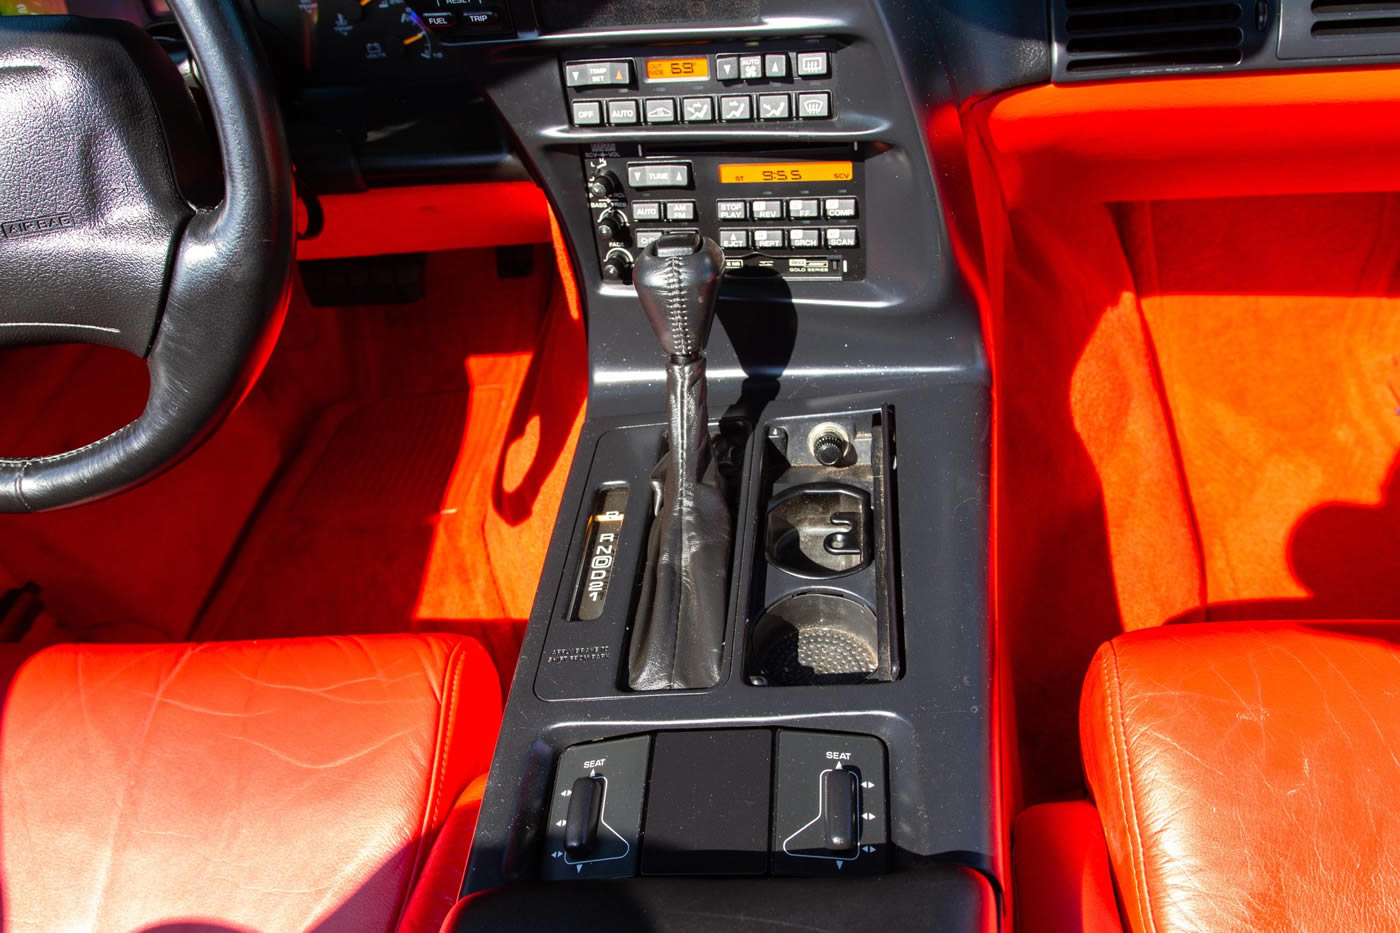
[678, 634]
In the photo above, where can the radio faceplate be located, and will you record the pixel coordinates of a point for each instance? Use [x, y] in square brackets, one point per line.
[797, 212]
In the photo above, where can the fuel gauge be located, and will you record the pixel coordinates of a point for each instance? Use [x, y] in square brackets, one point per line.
[414, 35]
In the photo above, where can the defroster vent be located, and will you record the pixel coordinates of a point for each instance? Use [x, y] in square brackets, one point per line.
[1340, 28]
[1106, 37]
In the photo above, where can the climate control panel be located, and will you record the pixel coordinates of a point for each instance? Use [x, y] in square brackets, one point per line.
[793, 213]
[774, 84]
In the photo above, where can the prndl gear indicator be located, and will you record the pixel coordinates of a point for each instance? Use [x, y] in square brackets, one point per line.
[599, 553]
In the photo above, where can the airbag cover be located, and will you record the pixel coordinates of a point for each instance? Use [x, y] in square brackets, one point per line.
[89, 205]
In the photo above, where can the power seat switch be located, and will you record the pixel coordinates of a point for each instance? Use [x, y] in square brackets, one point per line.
[595, 810]
[581, 825]
[830, 805]
[841, 801]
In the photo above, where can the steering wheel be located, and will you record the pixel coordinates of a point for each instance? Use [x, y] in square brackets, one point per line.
[104, 157]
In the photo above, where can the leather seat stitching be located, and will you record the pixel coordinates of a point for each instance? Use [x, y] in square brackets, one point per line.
[442, 746]
[1113, 684]
[1119, 727]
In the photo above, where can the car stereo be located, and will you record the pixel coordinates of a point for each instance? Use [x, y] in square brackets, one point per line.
[794, 213]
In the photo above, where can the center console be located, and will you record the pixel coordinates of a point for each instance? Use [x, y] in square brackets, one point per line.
[817, 736]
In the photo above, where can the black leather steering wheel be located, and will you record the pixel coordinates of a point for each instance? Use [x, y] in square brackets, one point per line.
[103, 159]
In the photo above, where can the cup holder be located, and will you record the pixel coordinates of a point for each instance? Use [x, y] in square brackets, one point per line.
[815, 638]
[819, 530]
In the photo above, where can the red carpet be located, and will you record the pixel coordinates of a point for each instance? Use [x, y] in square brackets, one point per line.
[1198, 408]
[397, 468]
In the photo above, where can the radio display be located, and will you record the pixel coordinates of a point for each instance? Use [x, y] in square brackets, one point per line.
[734, 173]
[677, 69]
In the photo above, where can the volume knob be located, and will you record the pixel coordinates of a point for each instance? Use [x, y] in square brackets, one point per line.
[603, 184]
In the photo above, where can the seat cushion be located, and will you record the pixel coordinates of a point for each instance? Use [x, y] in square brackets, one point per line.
[268, 785]
[1246, 774]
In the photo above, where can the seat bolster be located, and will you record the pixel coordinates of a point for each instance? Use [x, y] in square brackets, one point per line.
[1060, 867]
[440, 883]
[1110, 781]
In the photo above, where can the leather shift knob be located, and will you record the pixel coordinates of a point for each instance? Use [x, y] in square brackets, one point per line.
[677, 279]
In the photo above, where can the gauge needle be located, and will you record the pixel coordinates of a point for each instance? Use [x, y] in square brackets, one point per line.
[412, 39]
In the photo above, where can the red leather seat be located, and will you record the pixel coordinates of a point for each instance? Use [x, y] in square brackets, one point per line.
[318, 783]
[1247, 775]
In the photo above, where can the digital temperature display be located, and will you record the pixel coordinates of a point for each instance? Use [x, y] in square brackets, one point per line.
[677, 69]
[776, 172]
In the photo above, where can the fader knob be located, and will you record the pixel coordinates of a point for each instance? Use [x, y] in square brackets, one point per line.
[617, 265]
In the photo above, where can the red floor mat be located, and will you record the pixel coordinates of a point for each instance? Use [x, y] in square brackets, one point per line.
[429, 506]
[1276, 324]
[402, 466]
[1198, 417]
